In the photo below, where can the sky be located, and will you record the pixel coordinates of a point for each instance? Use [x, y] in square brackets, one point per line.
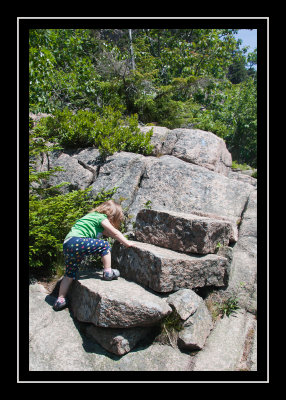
[248, 37]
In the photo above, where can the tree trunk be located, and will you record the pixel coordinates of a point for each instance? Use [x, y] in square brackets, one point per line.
[131, 50]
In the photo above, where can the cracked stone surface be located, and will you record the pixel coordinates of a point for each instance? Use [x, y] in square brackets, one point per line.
[165, 270]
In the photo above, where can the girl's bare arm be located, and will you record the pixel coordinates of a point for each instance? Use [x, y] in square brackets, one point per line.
[109, 230]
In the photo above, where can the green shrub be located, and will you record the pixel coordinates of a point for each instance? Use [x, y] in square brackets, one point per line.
[254, 175]
[108, 131]
[229, 307]
[243, 167]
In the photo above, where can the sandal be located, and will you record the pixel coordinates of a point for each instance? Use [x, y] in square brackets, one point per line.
[60, 304]
[108, 276]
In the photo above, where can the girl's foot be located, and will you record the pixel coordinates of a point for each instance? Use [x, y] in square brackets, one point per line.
[60, 304]
[109, 275]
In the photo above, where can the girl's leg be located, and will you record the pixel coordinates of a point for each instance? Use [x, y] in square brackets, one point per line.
[64, 287]
[74, 250]
[109, 273]
[72, 257]
[106, 261]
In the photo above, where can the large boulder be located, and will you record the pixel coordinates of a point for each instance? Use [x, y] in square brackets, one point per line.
[78, 168]
[182, 232]
[202, 148]
[172, 184]
[165, 270]
[122, 170]
[115, 304]
[74, 173]
[192, 145]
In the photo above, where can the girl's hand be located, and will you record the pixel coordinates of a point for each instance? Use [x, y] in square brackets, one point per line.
[109, 230]
[130, 244]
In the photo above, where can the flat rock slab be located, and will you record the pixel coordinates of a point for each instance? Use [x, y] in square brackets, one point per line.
[187, 233]
[225, 347]
[164, 270]
[55, 344]
[115, 304]
[156, 357]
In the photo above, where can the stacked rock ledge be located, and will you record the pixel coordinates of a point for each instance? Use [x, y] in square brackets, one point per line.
[115, 304]
[164, 270]
[188, 233]
[119, 314]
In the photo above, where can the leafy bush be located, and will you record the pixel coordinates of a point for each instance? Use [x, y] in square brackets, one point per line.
[61, 69]
[232, 114]
[108, 131]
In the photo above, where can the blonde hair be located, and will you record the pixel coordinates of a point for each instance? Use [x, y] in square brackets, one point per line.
[113, 211]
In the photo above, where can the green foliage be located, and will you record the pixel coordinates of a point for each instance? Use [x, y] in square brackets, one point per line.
[243, 167]
[61, 70]
[254, 175]
[221, 305]
[231, 113]
[170, 327]
[172, 322]
[108, 131]
[228, 307]
[148, 205]
[178, 71]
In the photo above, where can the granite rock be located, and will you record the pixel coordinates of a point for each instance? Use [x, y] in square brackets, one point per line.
[115, 304]
[165, 270]
[182, 232]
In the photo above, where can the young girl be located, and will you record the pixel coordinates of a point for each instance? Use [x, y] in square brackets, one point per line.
[84, 238]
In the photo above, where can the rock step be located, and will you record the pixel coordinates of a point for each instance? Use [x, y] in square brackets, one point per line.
[164, 270]
[188, 233]
[114, 304]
